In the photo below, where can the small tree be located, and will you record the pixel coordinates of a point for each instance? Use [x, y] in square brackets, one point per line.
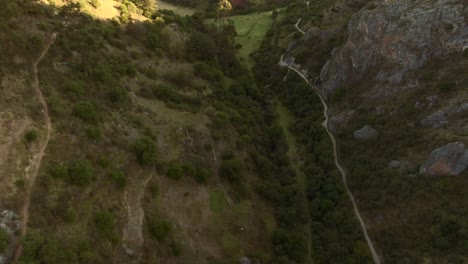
[85, 111]
[31, 136]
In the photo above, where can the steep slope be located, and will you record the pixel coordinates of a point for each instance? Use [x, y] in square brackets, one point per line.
[157, 129]
[395, 80]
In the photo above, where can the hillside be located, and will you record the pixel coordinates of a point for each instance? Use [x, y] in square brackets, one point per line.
[140, 131]
[394, 78]
[146, 158]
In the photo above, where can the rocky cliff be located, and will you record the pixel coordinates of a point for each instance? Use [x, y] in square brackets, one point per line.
[390, 42]
[404, 61]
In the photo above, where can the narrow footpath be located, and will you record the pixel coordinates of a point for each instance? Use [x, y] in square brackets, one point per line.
[36, 160]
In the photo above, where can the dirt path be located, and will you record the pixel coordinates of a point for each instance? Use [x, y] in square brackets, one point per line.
[337, 163]
[297, 26]
[35, 161]
[133, 240]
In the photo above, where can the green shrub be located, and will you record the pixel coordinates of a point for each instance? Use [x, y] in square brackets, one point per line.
[167, 94]
[144, 149]
[231, 170]
[20, 183]
[202, 175]
[4, 240]
[73, 87]
[117, 95]
[175, 171]
[119, 178]
[105, 225]
[59, 171]
[80, 172]
[159, 229]
[31, 136]
[205, 71]
[93, 132]
[69, 215]
[86, 112]
[176, 249]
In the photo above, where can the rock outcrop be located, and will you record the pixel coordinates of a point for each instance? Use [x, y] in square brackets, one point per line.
[365, 132]
[393, 39]
[451, 159]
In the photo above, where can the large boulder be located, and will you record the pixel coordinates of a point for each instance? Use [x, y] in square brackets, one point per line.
[451, 159]
[365, 132]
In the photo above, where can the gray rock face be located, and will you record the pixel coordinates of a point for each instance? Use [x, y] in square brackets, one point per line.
[435, 120]
[394, 164]
[365, 132]
[451, 159]
[9, 222]
[395, 38]
[441, 117]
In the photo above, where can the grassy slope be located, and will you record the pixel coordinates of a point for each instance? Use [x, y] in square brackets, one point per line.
[179, 10]
[251, 30]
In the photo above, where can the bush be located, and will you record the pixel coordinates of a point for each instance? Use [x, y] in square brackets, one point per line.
[73, 87]
[167, 94]
[117, 95]
[202, 175]
[119, 178]
[80, 172]
[231, 170]
[159, 229]
[144, 149]
[105, 226]
[86, 112]
[31, 136]
[205, 71]
[174, 171]
[93, 132]
[59, 172]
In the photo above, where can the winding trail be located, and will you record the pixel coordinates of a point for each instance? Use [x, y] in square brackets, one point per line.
[36, 160]
[375, 256]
